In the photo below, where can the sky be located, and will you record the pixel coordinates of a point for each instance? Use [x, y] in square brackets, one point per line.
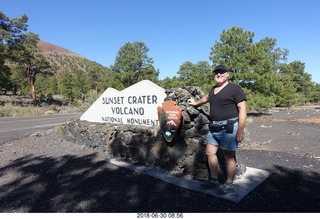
[175, 31]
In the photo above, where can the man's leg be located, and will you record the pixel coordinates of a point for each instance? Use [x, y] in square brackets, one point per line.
[228, 186]
[229, 157]
[211, 152]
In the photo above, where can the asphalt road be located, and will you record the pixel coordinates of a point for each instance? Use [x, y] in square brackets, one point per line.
[16, 127]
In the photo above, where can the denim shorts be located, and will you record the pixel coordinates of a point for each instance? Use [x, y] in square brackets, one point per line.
[227, 141]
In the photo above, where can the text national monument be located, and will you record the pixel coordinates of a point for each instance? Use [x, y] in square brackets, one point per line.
[135, 105]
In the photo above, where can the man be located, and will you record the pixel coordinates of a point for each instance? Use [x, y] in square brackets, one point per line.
[226, 129]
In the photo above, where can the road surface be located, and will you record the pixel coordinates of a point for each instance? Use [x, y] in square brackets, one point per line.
[16, 127]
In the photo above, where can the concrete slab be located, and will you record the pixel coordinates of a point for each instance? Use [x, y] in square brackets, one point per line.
[248, 181]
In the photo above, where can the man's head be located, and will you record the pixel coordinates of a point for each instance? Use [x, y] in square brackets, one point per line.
[221, 69]
[221, 74]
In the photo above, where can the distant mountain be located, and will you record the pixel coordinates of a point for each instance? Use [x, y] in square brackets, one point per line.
[65, 61]
[51, 48]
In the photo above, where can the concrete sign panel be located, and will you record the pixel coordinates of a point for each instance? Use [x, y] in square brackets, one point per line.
[136, 105]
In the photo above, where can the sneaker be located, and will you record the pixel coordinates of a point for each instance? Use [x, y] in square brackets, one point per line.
[211, 184]
[225, 188]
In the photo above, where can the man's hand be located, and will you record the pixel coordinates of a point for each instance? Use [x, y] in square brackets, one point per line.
[192, 102]
[240, 135]
[203, 100]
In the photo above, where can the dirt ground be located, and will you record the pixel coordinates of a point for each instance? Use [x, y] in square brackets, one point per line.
[295, 131]
[46, 173]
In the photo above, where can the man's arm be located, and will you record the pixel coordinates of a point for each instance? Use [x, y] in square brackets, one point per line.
[203, 100]
[242, 106]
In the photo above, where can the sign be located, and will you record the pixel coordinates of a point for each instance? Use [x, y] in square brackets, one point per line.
[170, 118]
[136, 105]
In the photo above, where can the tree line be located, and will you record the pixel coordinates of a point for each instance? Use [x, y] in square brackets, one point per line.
[260, 68]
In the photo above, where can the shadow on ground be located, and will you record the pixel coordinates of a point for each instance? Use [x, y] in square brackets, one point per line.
[87, 184]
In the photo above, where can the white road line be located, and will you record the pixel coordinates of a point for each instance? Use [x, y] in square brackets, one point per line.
[33, 127]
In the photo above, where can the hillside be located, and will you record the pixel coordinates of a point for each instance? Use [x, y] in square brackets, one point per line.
[63, 60]
[51, 48]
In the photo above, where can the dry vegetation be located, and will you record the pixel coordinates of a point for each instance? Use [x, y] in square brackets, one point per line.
[13, 106]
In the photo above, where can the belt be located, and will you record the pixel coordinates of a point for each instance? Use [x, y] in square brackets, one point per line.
[223, 122]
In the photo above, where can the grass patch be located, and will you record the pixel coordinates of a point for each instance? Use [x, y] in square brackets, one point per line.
[9, 110]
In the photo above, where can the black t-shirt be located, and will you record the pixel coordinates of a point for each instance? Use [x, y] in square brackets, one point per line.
[223, 105]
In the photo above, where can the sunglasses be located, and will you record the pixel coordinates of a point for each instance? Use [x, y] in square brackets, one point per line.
[219, 72]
